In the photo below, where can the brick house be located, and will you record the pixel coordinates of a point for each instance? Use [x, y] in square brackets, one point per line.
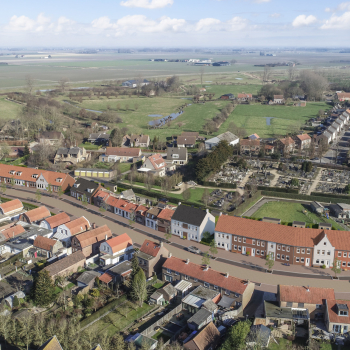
[11, 207]
[67, 265]
[89, 242]
[53, 222]
[278, 99]
[139, 141]
[140, 214]
[337, 317]
[164, 220]
[34, 216]
[286, 145]
[151, 257]
[249, 146]
[175, 269]
[244, 97]
[303, 141]
[83, 187]
[155, 164]
[152, 218]
[45, 247]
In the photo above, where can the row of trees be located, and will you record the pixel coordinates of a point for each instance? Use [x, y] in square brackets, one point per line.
[214, 124]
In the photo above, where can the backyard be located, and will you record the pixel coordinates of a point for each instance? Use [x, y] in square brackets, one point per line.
[289, 212]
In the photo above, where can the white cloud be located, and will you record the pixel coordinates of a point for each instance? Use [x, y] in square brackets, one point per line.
[237, 23]
[275, 15]
[261, 1]
[328, 9]
[148, 4]
[303, 20]
[338, 22]
[344, 6]
[207, 24]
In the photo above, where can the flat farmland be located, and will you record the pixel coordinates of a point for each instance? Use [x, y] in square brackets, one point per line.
[285, 118]
[8, 110]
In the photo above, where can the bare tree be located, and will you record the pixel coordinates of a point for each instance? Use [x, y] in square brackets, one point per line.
[201, 73]
[30, 82]
[291, 71]
[148, 181]
[205, 197]
[62, 83]
[267, 72]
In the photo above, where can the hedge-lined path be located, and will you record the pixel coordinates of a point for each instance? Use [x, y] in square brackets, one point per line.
[241, 266]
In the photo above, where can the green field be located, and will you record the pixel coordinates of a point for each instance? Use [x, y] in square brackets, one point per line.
[8, 110]
[289, 212]
[286, 118]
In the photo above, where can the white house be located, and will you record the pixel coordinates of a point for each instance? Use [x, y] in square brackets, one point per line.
[323, 253]
[227, 136]
[190, 223]
[53, 222]
[151, 220]
[116, 250]
[135, 83]
[155, 164]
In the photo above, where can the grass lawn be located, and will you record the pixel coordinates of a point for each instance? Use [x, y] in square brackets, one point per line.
[89, 146]
[162, 334]
[286, 119]
[158, 285]
[124, 167]
[289, 212]
[9, 110]
[120, 322]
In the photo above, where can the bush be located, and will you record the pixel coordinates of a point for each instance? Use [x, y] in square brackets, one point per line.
[323, 266]
[277, 189]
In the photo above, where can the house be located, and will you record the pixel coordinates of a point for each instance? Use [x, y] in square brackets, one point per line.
[254, 137]
[182, 288]
[106, 174]
[121, 207]
[206, 339]
[340, 210]
[128, 195]
[36, 215]
[151, 257]
[200, 319]
[337, 317]
[240, 291]
[343, 96]
[164, 220]
[278, 99]
[156, 298]
[84, 189]
[87, 279]
[66, 231]
[139, 141]
[71, 155]
[135, 83]
[269, 149]
[52, 138]
[221, 64]
[324, 226]
[259, 335]
[11, 207]
[227, 97]
[177, 155]
[186, 141]
[190, 223]
[155, 164]
[300, 246]
[303, 141]
[191, 133]
[120, 154]
[89, 242]
[140, 214]
[116, 249]
[45, 247]
[286, 145]
[300, 224]
[35, 178]
[249, 146]
[51, 344]
[66, 266]
[168, 291]
[226, 136]
[99, 138]
[120, 272]
[152, 219]
[244, 97]
[308, 298]
[53, 222]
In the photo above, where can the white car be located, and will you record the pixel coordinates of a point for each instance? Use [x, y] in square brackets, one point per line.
[179, 184]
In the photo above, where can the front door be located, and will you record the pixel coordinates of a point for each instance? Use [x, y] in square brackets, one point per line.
[185, 235]
[307, 262]
[244, 250]
[253, 252]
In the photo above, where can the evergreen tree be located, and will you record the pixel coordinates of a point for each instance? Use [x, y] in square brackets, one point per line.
[139, 287]
[15, 301]
[26, 150]
[134, 266]
[44, 289]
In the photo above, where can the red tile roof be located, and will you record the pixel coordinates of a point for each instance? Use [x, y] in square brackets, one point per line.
[303, 137]
[287, 140]
[205, 339]
[166, 214]
[343, 95]
[249, 142]
[293, 236]
[78, 225]
[333, 311]
[298, 294]
[269, 147]
[142, 210]
[11, 206]
[217, 278]
[279, 97]
[121, 204]
[44, 243]
[157, 161]
[244, 96]
[123, 151]
[150, 248]
[186, 140]
[13, 231]
[98, 234]
[120, 242]
[106, 278]
[57, 220]
[37, 214]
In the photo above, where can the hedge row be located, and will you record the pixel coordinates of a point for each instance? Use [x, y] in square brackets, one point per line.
[278, 189]
[304, 197]
[329, 195]
[12, 260]
[220, 185]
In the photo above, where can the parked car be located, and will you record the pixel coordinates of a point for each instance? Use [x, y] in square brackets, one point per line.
[179, 184]
[193, 249]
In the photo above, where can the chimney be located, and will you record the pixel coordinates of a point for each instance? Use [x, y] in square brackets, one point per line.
[220, 213]
[106, 237]
[179, 203]
[170, 255]
[206, 268]
[93, 225]
[161, 243]
[308, 289]
[187, 261]
[207, 210]
[226, 274]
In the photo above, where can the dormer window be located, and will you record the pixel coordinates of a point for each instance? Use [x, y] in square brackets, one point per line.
[59, 179]
[35, 176]
[76, 185]
[19, 173]
[12, 172]
[343, 310]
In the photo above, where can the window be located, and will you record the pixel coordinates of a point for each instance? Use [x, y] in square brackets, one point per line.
[325, 243]
[339, 254]
[328, 252]
[303, 251]
[227, 237]
[283, 247]
[288, 249]
[317, 261]
[348, 263]
[239, 248]
[349, 255]
[278, 247]
[298, 250]
[258, 244]
[244, 240]
[168, 278]
[297, 259]
[258, 252]
[167, 270]
[235, 238]
[302, 260]
[272, 246]
[253, 242]
[176, 273]
[308, 251]
[344, 263]
[345, 329]
[278, 256]
[300, 304]
[262, 244]
[262, 252]
[318, 252]
[322, 262]
[343, 313]
[289, 304]
[344, 255]
[323, 252]
[195, 280]
[206, 285]
[235, 247]
[282, 257]
[287, 257]
[239, 239]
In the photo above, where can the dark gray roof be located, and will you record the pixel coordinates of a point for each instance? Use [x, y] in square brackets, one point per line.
[71, 150]
[199, 317]
[204, 293]
[273, 310]
[299, 223]
[325, 224]
[132, 81]
[83, 185]
[180, 151]
[121, 268]
[87, 276]
[99, 135]
[189, 215]
[169, 289]
[342, 307]
[226, 302]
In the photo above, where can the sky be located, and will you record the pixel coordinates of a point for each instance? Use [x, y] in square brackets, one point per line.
[175, 23]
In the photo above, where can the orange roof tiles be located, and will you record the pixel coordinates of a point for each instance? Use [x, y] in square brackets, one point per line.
[298, 294]
[244, 96]
[205, 339]
[287, 140]
[11, 206]
[293, 236]
[166, 214]
[78, 225]
[93, 236]
[37, 214]
[57, 220]
[44, 243]
[249, 142]
[121, 204]
[157, 161]
[279, 97]
[150, 248]
[106, 278]
[123, 151]
[120, 242]
[333, 311]
[217, 278]
[13, 231]
[303, 137]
